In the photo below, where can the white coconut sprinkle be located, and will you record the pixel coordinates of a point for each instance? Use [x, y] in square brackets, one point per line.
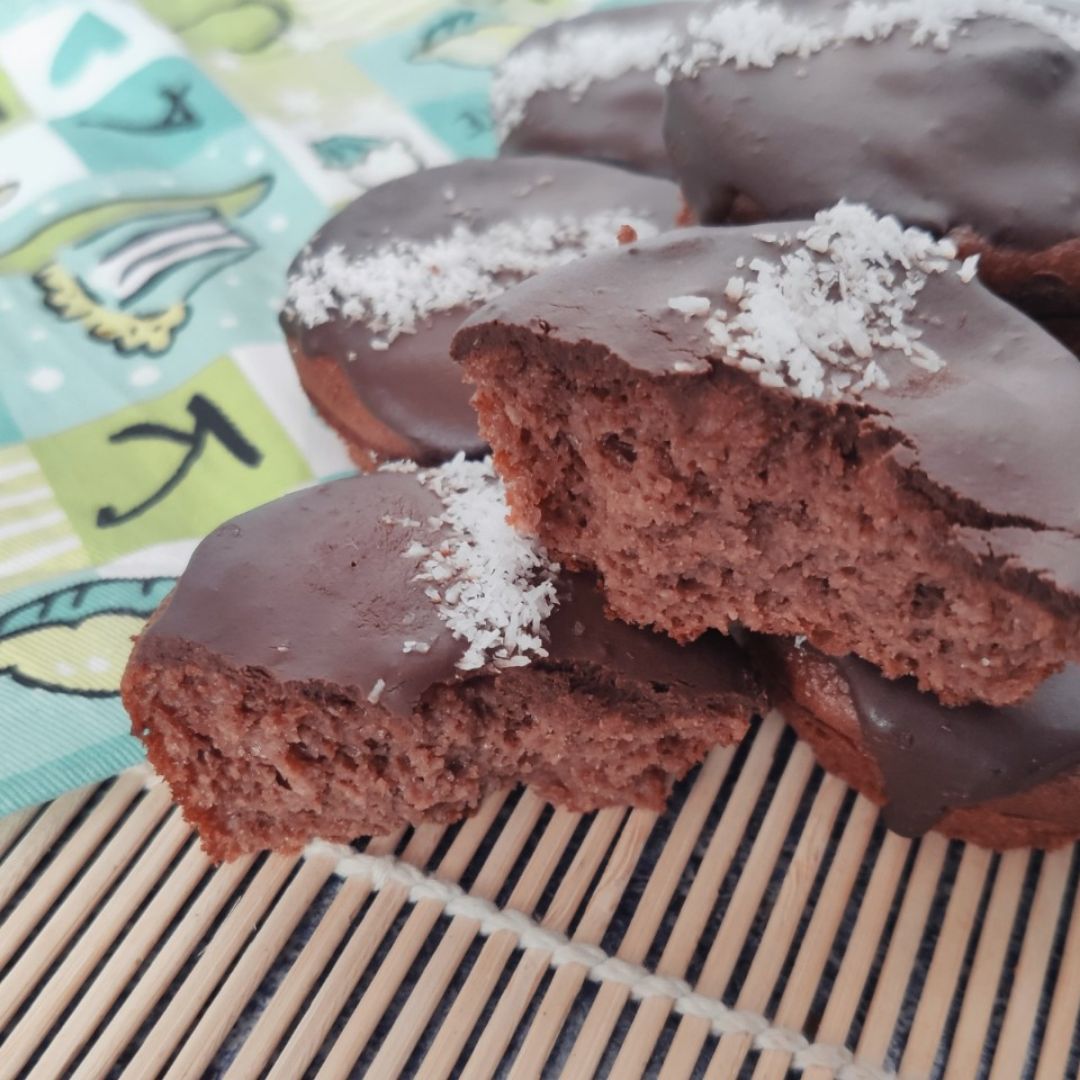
[573, 60]
[815, 319]
[690, 307]
[753, 34]
[394, 288]
[685, 367]
[377, 691]
[968, 269]
[493, 587]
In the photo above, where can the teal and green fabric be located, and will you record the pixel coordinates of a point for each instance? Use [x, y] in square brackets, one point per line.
[160, 164]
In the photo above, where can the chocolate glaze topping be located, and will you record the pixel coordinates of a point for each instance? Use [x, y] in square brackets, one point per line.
[412, 386]
[992, 436]
[935, 759]
[980, 134]
[315, 586]
[618, 119]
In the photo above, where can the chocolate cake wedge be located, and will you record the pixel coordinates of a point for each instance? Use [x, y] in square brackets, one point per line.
[386, 650]
[999, 778]
[829, 428]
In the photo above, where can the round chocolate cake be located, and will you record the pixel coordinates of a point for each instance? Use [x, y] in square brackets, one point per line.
[956, 116]
[374, 300]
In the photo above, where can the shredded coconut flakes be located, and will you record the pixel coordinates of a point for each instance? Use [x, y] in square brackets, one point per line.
[394, 288]
[690, 306]
[573, 60]
[814, 320]
[399, 466]
[753, 34]
[493, 587]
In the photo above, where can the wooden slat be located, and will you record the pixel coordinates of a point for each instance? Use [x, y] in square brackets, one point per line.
[903, 947]
[234, 993]
[974, 1020]
[567, 981]
[81, 959]
[177, 947]
[783, 922]
[473, 997]
[12, 827]
[64, 922]
[1064, 1016]
[741, 911]
[861, 946]
[24, 858]
[817, 944]
[652, 1014]
[611, 997]
[423, 917]
[1030, 973]
[214, 960]
[945, 967]
[114, 977]
[338, 980]
[432, 985]
[309, 965]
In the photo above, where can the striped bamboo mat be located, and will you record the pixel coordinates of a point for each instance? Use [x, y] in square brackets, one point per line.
[765, 926]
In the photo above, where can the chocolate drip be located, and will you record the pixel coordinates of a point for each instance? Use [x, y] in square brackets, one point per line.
[934, 759]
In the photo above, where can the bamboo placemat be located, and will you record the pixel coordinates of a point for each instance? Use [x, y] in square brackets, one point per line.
[765, 926]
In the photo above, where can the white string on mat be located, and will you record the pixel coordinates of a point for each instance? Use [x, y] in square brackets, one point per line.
[384, 870]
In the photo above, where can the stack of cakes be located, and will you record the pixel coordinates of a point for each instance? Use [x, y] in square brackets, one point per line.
[817, 443]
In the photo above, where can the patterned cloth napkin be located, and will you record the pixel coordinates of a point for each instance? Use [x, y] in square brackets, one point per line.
[160, 164]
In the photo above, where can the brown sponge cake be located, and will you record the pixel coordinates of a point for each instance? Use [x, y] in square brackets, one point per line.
[955, 115]
[1000, 778]
[386, 650]
[374, 299]
[827, 429]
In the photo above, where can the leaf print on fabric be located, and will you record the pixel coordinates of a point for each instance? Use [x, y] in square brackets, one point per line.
[76, 640]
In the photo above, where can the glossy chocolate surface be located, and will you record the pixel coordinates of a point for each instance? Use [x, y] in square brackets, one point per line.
[980, 134]
[935, 759]
[412, 386]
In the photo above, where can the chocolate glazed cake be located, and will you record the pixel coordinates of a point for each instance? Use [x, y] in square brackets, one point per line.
[375, 298]
[825, 429]
[958, 124]
[587, 87]
[386, 650]
[1000, 778]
